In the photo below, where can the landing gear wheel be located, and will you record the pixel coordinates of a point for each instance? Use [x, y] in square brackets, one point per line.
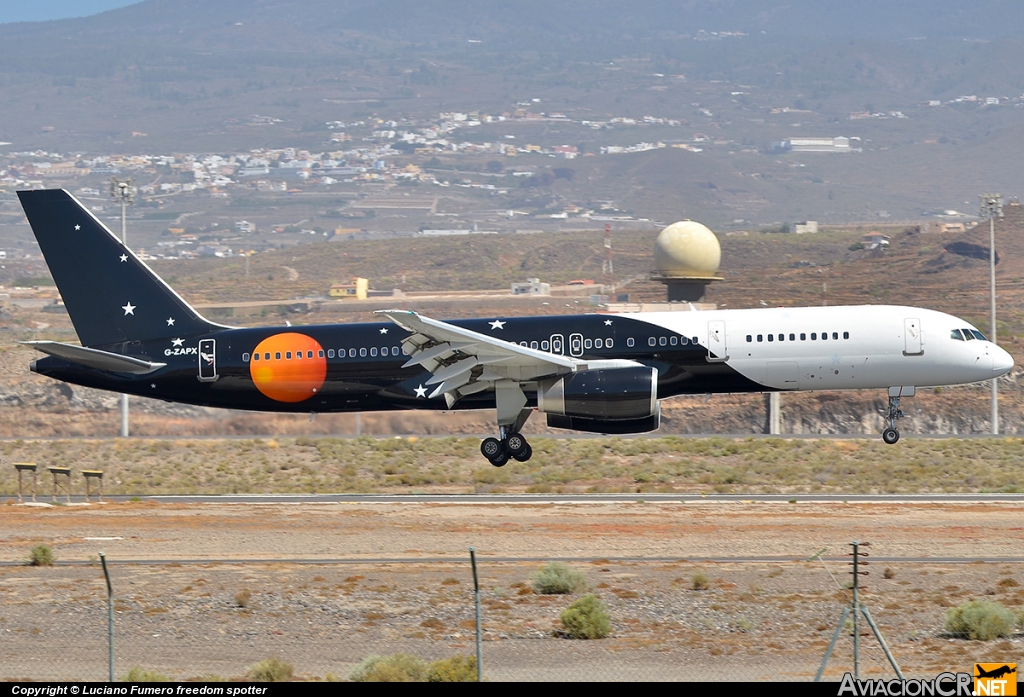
[491, 448]
[890, 435]
[500, 460]
[516, 445]
[525, 455]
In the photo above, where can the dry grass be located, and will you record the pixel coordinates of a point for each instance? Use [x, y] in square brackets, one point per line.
[674, 464]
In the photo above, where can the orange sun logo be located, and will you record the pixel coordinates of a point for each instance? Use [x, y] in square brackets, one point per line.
[288, 367]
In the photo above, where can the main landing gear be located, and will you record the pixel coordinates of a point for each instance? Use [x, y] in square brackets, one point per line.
[512, 415]
[511, 446]
[891, 434]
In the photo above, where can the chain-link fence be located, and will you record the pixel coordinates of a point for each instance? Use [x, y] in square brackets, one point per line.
[669, 620]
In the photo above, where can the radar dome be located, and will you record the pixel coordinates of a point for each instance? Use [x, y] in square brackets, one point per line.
[687, 249]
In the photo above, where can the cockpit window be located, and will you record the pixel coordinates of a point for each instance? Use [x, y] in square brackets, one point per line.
[967, 334]
[955, 334]
[978, 335]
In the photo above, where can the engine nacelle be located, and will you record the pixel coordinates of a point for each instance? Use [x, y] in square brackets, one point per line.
[578, 423]
[609, 394]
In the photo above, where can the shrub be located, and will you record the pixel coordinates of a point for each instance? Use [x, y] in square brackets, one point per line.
[980, 620]
[41, 555]
[454, 669]
[139, 674]
[270, 670]
[396, 667]
[559, 579]
[243, 597]
[699, 582]
[587, 618]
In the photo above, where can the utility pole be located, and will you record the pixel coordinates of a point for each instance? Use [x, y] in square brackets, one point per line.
[608, 271]
[991, 208]
[121, 190]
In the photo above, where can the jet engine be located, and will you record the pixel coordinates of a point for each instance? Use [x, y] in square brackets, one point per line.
[612, 394]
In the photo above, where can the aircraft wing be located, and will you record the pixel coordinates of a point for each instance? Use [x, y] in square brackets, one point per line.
[95, 358]
[463, 362]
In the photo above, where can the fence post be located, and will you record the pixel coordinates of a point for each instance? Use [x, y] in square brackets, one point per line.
[110, 615]
[476, 593]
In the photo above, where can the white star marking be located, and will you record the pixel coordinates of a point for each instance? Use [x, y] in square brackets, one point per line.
[177, 342]
[124, 258]
[129, 309]
[497, 324]
[170, 321]
[78, 227]
[836, 360]
[607, 323]
[384, 330]
[153, 385]
[420, 391]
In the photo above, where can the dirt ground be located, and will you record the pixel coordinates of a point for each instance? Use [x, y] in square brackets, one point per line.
[218, 587]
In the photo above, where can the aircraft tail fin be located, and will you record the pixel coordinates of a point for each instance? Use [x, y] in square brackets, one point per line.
[111, 295]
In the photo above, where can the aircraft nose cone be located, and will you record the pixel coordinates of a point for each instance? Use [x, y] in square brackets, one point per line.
[1002, 361]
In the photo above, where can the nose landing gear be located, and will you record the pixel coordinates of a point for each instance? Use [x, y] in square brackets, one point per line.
[891, 434]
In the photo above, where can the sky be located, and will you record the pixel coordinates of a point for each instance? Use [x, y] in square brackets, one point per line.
[42, 10]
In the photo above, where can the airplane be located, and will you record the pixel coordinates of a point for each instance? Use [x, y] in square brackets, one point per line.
[600, 373]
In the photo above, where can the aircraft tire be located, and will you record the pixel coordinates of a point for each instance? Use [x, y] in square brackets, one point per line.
[491, 448]
[500, 460]
[525, 454]
[515, 444]
[890, 435]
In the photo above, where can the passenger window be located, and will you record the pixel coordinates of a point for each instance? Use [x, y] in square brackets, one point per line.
[395, 351]
[533, 344]
[373, 351]
[405, 351]
[846, 335]
[608, 343]
[587, 344]
[803, 337]
[694, 340]
[749, 338]
[362, 352]
[330, 353]
[255, 356]
[298, 355]
[352, 353]
[277, 355]
[792, 337]
[545, 345]
[683, 341]
[629, 342]
[266, 356]
[760, 338]
[771, 337]
[782, 337]
[598, 343]
[245, 358]
[320, 353]
[287, 355]
[814, 336]
[824, 336]
[673, 340]
[835, 336]
[652, 341]
[522, 343]
[662, 341]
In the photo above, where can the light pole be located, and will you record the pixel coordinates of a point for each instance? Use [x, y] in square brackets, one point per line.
[991, 208]
[121, 190]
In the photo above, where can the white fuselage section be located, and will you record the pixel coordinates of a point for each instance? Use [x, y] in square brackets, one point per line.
[843, 347]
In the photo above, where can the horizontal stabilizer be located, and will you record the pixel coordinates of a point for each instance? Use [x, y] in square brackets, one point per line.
[94, 358]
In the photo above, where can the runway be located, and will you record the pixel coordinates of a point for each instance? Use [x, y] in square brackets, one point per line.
[506, 499]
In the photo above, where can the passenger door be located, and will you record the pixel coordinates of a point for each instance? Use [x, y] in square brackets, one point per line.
[913, 343]
[717, 349]
[207, 360]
